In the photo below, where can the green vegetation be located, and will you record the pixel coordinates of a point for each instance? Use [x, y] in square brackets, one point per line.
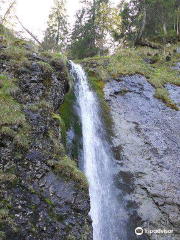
[133, 61]
[155, 20]
[63, 127]
[97, 83]
[48, 201]
[3, 214]
[68, 168]
[8, 132]
[56, 34]
[35, 107]
[2, 235]
[20, 43]
[66, 110]
[14, 53]
[163, 94]
[21, 141]
[45, 67]
[69, 119]
[94, 21]
[7, 177]
[10, 110]
[11, 114]
[54, 56]
[60, 217]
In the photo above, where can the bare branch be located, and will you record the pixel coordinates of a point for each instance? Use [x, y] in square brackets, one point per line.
[7, 12]
[30, 33]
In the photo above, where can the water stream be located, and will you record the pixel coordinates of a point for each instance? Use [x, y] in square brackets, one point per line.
[107, 211]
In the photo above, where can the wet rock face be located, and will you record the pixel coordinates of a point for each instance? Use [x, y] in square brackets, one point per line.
[147, 138]
[37, 202]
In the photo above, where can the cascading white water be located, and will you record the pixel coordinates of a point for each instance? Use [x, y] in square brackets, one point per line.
[107, 213]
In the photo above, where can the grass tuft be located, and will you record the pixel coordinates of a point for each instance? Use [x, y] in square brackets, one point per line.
[12, 115]
[68, 168]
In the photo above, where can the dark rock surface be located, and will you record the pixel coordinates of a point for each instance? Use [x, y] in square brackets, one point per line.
[35, 202]
[147, 139]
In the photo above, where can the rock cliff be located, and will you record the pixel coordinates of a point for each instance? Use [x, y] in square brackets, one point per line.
[43, 195]
[142, 98]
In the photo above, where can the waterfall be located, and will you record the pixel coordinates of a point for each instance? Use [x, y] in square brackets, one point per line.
[107, 212]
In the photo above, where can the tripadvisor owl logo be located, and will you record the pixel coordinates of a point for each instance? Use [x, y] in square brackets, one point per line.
[139, 231]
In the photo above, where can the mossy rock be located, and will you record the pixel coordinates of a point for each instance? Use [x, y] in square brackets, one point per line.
[68, 168]
[14, 53]
[21, 141]
[8, 132]
[22, 44]
[12, 115]
[10, 111]
[3, 214]
[62, 126]
[7, 177]
[130, 62]
[66, 109]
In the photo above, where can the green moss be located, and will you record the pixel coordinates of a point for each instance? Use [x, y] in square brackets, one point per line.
[48, 201]
[41, 105]
[5, 32]
[66, 109]
[20, 43]
[3, 214]
[163, 94]
[7, 177]
[10, 112]
[47, 55]
[62, 126]
[45, 67]
[97, 85]
[21, 141]
[9, 206]
[60, 217]
[57, 150]
[14, 53]
[60, 56]
[8, 132]
[2, 235]
[68, 168]
[47, 72]
[54, 56]
[33, 227]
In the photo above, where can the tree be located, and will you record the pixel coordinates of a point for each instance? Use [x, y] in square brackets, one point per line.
[83, 39]
[95, 23]
[7, 9]
[154, 20]
[56, 34]
[108, 22]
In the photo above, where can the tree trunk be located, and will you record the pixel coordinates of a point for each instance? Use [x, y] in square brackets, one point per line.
[177, 25]
[164, 28]
[31, 34]
[58, 33]
[139, 37]
[7, 12]
[149, 44]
